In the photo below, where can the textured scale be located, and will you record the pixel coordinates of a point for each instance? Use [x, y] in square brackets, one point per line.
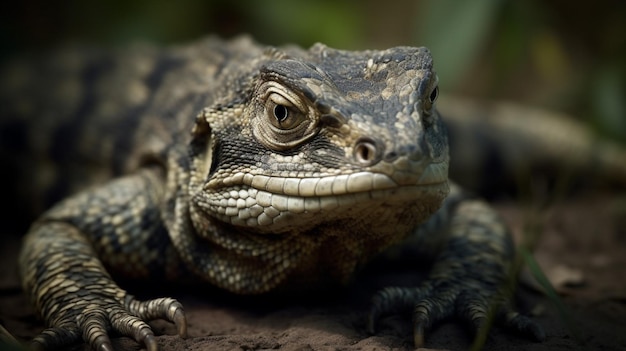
[250, 168]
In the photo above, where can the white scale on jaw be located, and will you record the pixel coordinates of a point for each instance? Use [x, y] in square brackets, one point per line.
[258, 200]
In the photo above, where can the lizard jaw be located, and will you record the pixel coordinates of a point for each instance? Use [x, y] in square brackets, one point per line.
[275, 203]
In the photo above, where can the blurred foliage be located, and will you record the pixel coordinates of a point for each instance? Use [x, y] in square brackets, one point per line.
[565, 55]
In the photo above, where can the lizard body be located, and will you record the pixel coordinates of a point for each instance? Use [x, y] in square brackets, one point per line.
[253, 169]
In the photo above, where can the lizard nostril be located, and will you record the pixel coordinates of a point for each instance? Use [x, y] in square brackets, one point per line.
[366, 152]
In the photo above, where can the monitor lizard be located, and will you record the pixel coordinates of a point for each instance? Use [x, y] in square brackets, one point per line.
[254, 169]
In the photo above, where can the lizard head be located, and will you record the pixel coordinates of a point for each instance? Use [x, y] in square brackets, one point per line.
[323, 136]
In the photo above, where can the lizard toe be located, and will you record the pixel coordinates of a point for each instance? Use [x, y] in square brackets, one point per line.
[522, 324]
[392, 300]
[134, 327]
[55, 338]
[161, 308]
[429, 306]
[474, 308]
[93, 321]
[477, 309]
[429, 311]
[95, 324]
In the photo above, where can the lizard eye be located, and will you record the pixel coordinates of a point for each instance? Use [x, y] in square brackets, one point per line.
[434, 94]
[430, 102]
[282, 113]
[283, 119]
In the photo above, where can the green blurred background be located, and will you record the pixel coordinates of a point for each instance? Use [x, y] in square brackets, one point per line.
[564, 55]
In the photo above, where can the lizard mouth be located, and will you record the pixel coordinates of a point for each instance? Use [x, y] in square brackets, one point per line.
[263, 201]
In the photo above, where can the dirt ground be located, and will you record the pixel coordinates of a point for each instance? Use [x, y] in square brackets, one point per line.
[582, 249]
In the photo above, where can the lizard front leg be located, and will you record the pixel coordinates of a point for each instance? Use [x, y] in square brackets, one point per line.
[68, 283]
[470, 275]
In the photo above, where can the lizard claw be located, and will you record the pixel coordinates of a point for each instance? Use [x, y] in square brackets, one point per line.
[523, 324]
[104, 344]
[181, 323]
[392, 300]
[371, 323]
[433, 303]
[164, 308]
[150, 342]
[94, 322]
[418, 335]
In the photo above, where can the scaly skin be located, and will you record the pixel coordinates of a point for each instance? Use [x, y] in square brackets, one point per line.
[260, 169]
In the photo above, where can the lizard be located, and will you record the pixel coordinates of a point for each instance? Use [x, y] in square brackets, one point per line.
[253, 169]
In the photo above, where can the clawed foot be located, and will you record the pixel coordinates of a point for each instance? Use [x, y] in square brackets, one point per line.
[94, 320]
[432, 303]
